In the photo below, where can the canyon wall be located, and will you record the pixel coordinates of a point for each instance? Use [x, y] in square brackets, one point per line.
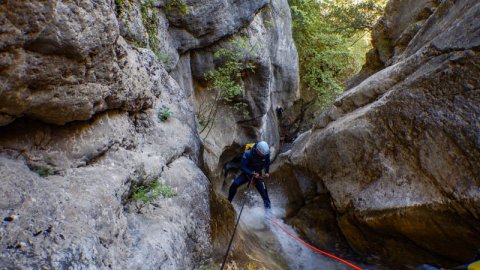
[98, 98]
[398, 154]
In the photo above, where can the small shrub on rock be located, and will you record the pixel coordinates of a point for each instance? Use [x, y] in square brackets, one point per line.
[44, 171]
[143, 194]
[164, 113]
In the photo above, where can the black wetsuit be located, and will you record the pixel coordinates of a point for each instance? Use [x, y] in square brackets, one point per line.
[252, 162]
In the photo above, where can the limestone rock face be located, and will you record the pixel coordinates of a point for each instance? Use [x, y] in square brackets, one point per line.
[272, 83]
[81, 216]
[399, 154]
[66, 189]
[208, 21]
[82, 89]
[393, 33]
[62, 62]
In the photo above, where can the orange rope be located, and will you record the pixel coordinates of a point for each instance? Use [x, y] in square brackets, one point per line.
[316, 249]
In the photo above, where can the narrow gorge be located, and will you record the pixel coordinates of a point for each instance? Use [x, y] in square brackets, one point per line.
[104, 103]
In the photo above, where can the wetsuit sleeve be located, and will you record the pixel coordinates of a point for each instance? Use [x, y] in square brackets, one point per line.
[244, 164]
[267, 164]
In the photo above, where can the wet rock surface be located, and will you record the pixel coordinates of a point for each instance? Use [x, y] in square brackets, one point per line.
[399, 153]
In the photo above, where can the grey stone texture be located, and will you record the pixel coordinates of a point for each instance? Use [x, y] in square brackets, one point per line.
[80, 88]
[210, 21]
[271, 84]
[399, 153]
[62, 62]
[80, 216]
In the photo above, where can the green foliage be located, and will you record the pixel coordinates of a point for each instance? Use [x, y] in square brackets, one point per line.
[164, 113]
[326, 34]
[224, 82]
[149, 20]
[268, 13]
[143, 194]
[121, 6]
[349, 19]
[44, 171]
[225, 79]
[177, 6]
[161, 57]
[269, 23]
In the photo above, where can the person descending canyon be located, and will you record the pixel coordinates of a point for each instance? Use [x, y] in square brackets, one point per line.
[254, 160]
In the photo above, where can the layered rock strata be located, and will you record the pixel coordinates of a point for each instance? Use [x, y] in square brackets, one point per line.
[85, 88]
[399, 154]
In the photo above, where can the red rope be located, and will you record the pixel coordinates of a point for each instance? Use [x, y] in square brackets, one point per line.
[316, 249]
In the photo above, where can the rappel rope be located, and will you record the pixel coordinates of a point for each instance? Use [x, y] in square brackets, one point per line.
[288, 233]
[314, 248]
[235, 228]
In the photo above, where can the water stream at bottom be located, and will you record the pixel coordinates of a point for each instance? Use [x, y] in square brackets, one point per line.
[266, 242]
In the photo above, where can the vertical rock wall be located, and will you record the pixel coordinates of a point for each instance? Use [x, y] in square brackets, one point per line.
[399, 153]
[81, 84]
[272, 83]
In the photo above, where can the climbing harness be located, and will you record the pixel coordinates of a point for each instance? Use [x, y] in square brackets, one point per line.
[235, 228]
[314, 248]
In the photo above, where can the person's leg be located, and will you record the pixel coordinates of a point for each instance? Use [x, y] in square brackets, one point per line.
[240, 180]
[262, 189]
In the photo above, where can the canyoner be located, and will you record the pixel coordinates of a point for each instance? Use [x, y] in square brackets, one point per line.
[255, 159]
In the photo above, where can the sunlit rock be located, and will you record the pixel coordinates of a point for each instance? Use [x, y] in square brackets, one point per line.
[399, 153]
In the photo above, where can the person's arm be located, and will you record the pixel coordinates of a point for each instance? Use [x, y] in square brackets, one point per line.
[244, 164]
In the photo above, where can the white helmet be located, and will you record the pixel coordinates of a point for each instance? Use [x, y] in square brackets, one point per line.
[262, 148]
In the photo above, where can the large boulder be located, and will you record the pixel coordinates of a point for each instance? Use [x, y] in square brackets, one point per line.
[399, 154]
[392, 34]
[208, 21]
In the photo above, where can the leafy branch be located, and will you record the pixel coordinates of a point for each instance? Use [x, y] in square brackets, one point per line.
[177, 6]
[327, 35]
[224, 82]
